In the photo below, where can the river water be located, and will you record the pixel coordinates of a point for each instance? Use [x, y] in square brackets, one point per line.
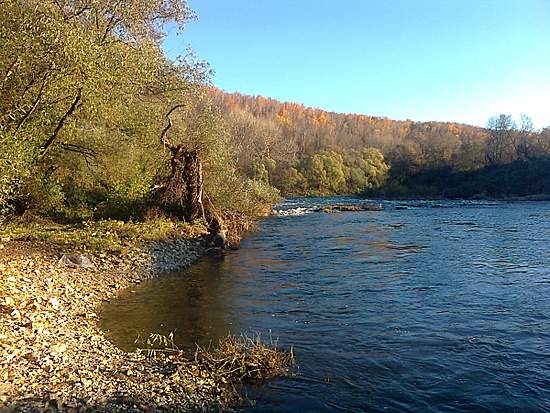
[423, 307]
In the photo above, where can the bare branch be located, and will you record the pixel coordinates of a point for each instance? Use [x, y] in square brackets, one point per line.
[163, 138]
[70, 111]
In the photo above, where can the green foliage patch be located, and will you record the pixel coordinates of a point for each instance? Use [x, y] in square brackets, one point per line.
[103, 235]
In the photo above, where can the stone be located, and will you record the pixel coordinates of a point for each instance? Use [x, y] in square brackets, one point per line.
[351, 208]
[219, 240]
[54, 302]
[76, 261]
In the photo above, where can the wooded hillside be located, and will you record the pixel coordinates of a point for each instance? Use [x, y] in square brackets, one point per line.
[289, 145]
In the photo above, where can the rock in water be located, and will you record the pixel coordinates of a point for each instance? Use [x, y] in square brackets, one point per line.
[76, 261]
[351, 208]
[217, 244]
[219, 240]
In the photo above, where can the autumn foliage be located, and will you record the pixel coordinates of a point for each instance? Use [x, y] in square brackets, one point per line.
[303, 150]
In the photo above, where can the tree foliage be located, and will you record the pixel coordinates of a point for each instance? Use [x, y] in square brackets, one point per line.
[84, 89]
[84, 93]
[310, 151]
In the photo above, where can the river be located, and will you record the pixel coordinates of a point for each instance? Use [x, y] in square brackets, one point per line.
[426, 306]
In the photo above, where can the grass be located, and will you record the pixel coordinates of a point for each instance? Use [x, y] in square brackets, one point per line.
[234, 362]
[243, 359]
[102, 235]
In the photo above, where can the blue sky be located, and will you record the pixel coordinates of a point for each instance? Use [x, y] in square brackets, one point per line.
[446, 60]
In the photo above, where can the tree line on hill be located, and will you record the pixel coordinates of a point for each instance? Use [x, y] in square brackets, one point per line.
[291, 146]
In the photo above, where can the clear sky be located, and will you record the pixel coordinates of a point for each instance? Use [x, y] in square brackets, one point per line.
[447, 60]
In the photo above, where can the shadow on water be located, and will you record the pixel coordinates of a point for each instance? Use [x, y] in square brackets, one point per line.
[194, 305]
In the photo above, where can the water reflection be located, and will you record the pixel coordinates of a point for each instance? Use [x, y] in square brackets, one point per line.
[195, 306]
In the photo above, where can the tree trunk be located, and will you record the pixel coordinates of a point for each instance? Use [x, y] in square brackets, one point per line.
[182, 195]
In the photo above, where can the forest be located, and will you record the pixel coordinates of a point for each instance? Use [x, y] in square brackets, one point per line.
[92, 116]
[85, 93]
[302, 150]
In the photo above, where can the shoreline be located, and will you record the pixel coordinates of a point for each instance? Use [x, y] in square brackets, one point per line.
[53, 354]
[534, 198]
[381, 197]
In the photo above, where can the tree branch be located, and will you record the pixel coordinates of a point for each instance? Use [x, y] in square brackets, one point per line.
[88, 153]
[61, 6]
[164, 132]
[34, 105]
[15, 63]
[110, 26]
[112, 22]
[77, 13]
[61, 123]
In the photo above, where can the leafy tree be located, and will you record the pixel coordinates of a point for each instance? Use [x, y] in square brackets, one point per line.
[84, 89]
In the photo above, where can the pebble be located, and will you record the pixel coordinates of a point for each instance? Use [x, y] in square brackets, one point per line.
[54, 303]
[60, 359]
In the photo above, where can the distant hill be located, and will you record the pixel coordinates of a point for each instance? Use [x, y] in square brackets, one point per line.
[423, 158]
[311, 129]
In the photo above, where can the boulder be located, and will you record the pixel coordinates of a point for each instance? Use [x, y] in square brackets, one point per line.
[76, 261]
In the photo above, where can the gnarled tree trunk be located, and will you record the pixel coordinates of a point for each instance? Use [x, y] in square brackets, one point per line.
[182, 194]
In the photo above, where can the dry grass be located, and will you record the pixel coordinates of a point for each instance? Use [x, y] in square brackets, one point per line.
[242, 359]
[107, 235]
[238, 361]
[234, 362]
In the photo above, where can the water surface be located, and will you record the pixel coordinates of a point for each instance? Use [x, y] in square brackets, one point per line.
[423, 307]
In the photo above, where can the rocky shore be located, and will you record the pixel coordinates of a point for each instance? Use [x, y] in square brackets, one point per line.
[53, 357]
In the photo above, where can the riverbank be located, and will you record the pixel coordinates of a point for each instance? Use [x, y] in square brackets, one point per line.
[534, 197]
[54, 356]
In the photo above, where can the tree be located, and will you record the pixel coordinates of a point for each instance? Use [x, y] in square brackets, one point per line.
[501, 131]
[522, 140]
[542, 143]
[73, 76]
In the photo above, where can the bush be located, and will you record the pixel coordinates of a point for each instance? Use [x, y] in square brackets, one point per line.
[263, 192]
[15, 167]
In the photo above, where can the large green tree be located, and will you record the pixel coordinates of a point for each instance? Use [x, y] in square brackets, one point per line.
[84, 86]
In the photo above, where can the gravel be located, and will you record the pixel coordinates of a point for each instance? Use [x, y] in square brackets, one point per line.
[53, 356]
